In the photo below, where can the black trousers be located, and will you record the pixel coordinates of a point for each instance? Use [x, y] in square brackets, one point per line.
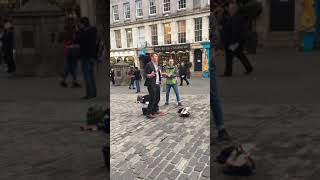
[8, 58]
[154, 93]
[185, 79]
[113, 81]
[241, 56]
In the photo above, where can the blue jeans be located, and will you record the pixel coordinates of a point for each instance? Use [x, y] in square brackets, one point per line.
[215, 104]
[176, 91]
[88, 73]
[137, 83]
[70, 67]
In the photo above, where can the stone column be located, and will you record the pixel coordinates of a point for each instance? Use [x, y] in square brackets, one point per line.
[174, 32]
[160, 34]
[112, 39]
[205, 28]
[191, 53]
[135, 36]
[190, 30]
[123, 38]
[147, 34]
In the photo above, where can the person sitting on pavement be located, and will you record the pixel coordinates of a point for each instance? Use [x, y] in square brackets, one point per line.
[171, 73]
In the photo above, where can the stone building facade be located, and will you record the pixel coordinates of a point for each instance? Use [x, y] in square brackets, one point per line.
[172, 28]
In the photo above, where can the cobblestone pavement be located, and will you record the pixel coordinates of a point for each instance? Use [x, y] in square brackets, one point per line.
[39, 131]
[169, 147]
[277, 108]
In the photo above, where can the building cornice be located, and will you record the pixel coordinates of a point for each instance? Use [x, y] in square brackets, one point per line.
[152, 19]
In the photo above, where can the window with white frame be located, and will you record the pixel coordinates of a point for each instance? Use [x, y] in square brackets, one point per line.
[167, 33]
[152, 7]
[181, 4]
[126, 9]
[182, 31]
[154, 34]
[115, 13]
[117, 35]
[141, 36]
[139, 8]
[166, 5]
[198, 29]
[129, 37]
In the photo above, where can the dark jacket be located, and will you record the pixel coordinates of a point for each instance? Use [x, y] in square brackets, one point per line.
[87, 39]
[148, 70]
[183, 70]
[234, 30]
[137, 75]
[7, 41]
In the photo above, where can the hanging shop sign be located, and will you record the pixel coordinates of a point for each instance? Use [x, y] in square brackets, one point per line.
[180, 47]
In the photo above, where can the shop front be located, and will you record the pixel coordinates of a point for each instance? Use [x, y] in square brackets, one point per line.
[180, 53]
[128, 56]
[200, 55]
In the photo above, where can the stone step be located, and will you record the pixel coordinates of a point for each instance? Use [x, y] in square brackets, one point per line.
[196, 74]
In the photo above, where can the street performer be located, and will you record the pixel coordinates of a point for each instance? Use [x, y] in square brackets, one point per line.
[153, 83]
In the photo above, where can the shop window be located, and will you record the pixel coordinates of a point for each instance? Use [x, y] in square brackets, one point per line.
[182, 31]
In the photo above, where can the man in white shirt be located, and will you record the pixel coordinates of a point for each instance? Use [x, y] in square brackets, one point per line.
[153, 82]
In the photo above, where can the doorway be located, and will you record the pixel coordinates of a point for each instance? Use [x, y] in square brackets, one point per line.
[282, 14]
[198, 60]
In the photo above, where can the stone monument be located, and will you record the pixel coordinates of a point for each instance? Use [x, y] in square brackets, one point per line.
[121, 70]
[38, 26]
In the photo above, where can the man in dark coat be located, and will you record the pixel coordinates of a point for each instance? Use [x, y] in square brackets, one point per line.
[183, 74]
[233, 37]
[137, 78]
[7, 47]
[87, 39]
[153, 83]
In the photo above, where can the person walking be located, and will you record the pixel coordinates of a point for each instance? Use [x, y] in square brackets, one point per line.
[131, 78]
[153, 82]
[7, 46]
[233, 37]
[88, 54]
[1, 44]
[183, 74]
[137, 79]
[72, 51]
[112, 77]
[171, 73]
[215, 104]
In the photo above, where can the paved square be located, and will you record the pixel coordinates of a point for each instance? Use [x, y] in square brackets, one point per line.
[168, 147]
[40, 133]
[277, 108]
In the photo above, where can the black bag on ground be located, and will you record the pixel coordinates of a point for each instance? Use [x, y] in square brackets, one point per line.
[237, 161]
[144, 100]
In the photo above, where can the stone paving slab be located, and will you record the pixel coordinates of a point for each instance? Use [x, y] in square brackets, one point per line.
[40, 137]
[168, 147]
[287, 139]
